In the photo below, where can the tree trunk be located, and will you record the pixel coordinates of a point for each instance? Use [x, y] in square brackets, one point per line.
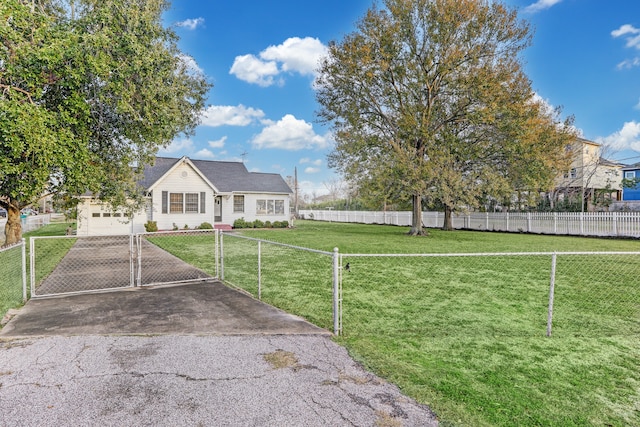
[13, 227]
[416, 220]
[448, 219]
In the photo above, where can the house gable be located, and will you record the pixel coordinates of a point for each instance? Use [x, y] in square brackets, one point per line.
[166, 168]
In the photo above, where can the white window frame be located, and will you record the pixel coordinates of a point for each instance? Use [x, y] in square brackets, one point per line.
[270, 207]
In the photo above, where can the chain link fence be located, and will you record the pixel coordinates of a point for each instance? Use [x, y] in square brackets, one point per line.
[517, 294]
[69, 264]
[491, 294]
[176, 256]
[13, 277]
[295, 279]
[506, 294]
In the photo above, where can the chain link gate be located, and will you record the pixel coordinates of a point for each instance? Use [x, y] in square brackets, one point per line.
[63, 265]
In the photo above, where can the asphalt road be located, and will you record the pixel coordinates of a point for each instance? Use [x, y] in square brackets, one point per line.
[200, 354]
[170, 380]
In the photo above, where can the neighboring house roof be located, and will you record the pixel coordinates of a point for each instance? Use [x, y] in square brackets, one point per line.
[610, 163]
[634, 166]
[226, 177]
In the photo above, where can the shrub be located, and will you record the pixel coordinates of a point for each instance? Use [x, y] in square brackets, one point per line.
[241, 223]
[267, 224]
[205, 226]
[186, 227]
[151, 226]
[258, 224]
[175, 226]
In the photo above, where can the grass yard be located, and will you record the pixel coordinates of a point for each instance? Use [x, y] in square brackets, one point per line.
[466, 335]
[50, 254]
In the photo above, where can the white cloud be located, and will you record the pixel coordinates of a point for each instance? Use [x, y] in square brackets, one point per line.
[176, 146]
[632, 37]
[311, 170]
[626, 138]
[289, 134]
[218, 143]
[629, 63]
[254, 70]
[190, 24]
[317, 162]
[297, 55]
[190, 64]
[294, 55]
[540, 5]
[227, 115]
[204, 154]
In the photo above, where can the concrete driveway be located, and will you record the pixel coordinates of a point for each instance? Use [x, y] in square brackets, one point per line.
[200, 354]
[200, 308]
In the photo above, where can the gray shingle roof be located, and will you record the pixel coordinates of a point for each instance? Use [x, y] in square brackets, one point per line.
[227, 177]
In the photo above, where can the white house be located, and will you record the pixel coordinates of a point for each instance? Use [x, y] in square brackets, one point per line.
[185, 192]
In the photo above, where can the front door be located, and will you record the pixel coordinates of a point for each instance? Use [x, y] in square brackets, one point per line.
[217, 209]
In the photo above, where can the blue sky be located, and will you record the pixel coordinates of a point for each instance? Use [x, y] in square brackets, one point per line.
[261, 55]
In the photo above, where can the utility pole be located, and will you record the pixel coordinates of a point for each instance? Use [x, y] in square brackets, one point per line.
[295, 185]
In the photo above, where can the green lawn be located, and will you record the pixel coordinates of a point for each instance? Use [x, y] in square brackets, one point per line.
[466, 335]
[50, 252]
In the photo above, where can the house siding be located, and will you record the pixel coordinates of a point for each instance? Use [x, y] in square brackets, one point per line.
[183, 179]
[96, 218]
[250, 210]
[631, 194]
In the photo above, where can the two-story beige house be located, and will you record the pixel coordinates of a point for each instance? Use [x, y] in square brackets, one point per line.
[599, 180]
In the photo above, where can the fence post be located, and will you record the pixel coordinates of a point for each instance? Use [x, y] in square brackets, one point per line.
[222, 257]
[32, 264]
[336, 278]
[259, 270]
[216, 253]
[139, 249]
[552, 287]
[133, 239]
[24, 270]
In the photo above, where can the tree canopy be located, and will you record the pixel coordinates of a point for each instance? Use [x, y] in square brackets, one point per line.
[428, 100]
[88, 90]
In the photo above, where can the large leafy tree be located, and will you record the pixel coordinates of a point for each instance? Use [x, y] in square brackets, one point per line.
[88, 90]
[428, 101]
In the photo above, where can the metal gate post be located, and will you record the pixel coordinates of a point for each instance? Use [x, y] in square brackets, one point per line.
[259, 270]
[222, 257]
[32, 266]
[216, 252]
[131, 260]
[24, 270]
[552, 287]
[139, 250]
[336, 293]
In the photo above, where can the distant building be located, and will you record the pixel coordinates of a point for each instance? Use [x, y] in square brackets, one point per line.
[591, 175]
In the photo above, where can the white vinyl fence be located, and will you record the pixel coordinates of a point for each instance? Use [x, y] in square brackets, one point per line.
[614, 224]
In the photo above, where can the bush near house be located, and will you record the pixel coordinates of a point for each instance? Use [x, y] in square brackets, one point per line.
[241, 223]
[151, 226]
